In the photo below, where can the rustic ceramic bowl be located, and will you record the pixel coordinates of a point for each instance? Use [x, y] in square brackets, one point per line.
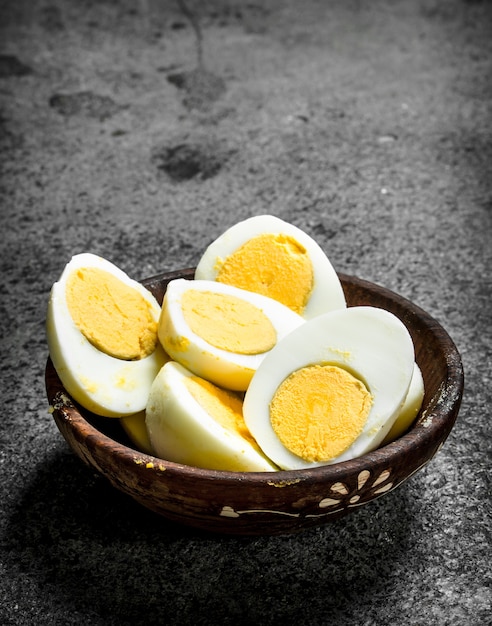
[284, 501]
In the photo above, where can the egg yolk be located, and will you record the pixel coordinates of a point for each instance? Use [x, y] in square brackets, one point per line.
[319, 411]
[227, 322]
[225, 407]
[273, 265]
[113, 316]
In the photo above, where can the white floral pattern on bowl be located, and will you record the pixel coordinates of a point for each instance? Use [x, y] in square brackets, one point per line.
[341, 496]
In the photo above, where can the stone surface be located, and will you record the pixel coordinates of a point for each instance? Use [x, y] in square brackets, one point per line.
[140, 131]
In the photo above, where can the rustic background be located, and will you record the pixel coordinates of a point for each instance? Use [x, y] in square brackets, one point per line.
[140, 130]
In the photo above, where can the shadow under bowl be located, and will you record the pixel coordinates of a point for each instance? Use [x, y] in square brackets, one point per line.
[280, 502]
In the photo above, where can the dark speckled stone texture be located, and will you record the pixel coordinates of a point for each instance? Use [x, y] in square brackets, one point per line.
[140, 131]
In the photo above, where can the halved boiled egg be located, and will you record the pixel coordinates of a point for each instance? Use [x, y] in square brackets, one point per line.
[411, 406]
[220, 332]
[102, 336]
[136, 430]
[192, 421]
[269, 256]
[331, 390]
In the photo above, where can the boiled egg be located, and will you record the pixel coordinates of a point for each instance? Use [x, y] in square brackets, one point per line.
[136, 430]
[269, 256]
[192, 421]
[102, 336]
[411, 406]
[331, 389]
[221, 332]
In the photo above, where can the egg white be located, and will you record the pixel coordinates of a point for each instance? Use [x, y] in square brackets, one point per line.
[371, 343]
[226, 369]
[101, 383]
[327, 293]
[136, 430]
[411, 406]
[181, 430]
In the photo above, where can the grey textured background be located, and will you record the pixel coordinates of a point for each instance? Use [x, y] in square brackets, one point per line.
[140, 131]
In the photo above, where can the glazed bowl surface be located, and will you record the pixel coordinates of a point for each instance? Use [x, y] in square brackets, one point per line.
[280, 502]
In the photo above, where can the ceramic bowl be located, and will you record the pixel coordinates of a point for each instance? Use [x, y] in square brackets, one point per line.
[284, 501]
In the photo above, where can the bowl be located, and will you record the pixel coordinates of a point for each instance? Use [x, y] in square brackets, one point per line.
[272, 503]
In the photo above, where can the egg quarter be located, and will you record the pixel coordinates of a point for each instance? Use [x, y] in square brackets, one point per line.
[375, 350]
[192, 421]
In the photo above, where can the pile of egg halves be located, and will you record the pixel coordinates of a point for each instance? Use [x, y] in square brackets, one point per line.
[256, 364]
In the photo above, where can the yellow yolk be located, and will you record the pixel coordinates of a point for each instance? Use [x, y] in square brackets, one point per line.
[227, 322]
[225, 407]
[115, 318]
[273, 265]
[319, 411]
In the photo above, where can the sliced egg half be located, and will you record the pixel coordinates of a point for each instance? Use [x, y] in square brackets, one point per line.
[192, 421]
[220, 332]
[136, 430]
[411, 406]
[102, 336]
[331, 390]
[269, 256]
